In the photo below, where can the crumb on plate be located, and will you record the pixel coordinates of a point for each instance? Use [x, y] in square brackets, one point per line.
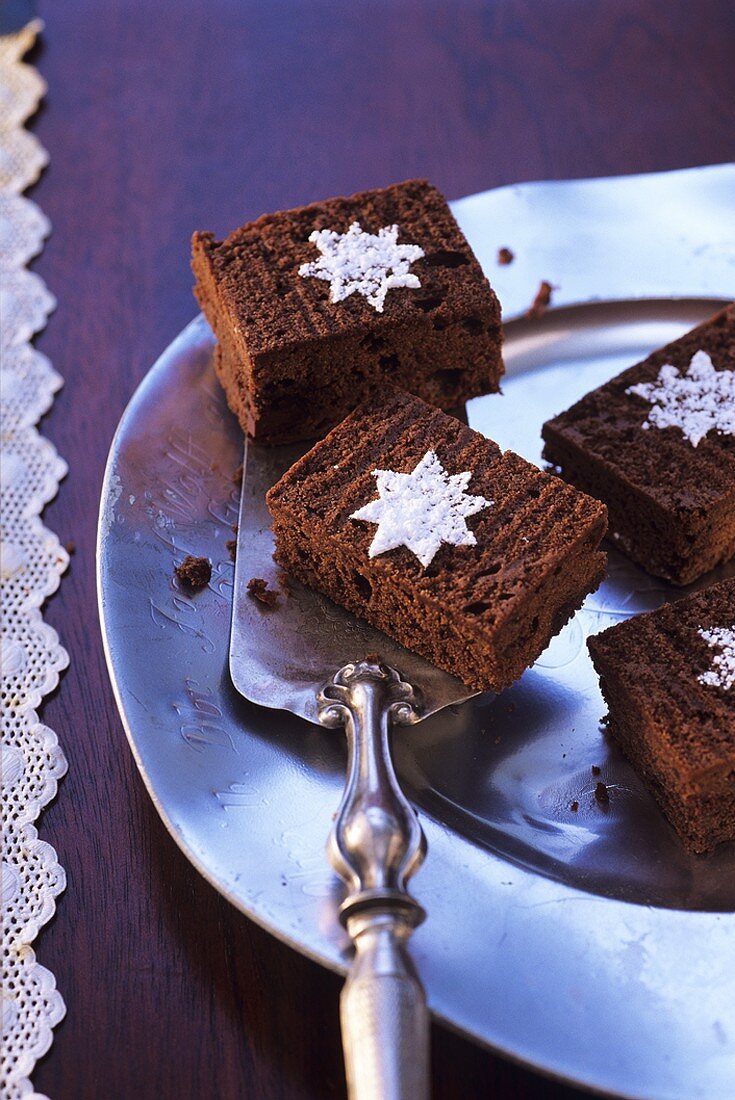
[259, 590]
[194, 573]
[542, 300]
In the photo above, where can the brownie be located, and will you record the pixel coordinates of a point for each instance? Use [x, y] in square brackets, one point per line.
[669, 681]
[666, 474]
[479, 557]
[293, 362]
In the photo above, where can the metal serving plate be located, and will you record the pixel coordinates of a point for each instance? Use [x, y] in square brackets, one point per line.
[586, 944]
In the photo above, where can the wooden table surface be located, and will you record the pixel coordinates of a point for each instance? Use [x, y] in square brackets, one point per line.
[167, 116]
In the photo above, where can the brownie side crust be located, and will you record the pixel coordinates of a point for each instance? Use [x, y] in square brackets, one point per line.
[293, 363]
[677, 732]
[232, 363]
[482, 612]
[671, 505]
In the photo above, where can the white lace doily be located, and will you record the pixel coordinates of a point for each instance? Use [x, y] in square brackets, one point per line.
[31, 564]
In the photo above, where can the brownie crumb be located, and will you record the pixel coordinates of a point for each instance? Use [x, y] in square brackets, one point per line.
[234, 528]
[601, 794]
[231, 545]
[70, 547]
[237, 475]
[574, 806]
[595, 769]
[542, 300]
[505, 257]
[194, 573]
[259, 590]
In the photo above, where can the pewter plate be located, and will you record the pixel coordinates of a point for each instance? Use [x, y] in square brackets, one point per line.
[586, 944]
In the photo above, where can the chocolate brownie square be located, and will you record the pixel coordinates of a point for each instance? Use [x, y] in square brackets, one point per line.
[470, 556]
[668, 678]
[657, 445]
[314, 307]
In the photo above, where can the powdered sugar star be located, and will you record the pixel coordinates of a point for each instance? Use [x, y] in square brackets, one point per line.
[365, 263]
[697, 402]
[421, 510]
[722, 673]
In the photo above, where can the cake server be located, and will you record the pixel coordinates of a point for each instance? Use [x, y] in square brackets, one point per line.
[309, 656]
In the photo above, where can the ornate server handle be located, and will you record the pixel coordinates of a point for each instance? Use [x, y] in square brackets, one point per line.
[376, 844]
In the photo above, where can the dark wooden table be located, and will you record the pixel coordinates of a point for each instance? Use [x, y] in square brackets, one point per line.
[172, 115]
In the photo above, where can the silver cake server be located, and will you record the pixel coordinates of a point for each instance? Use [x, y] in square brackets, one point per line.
[310, 657]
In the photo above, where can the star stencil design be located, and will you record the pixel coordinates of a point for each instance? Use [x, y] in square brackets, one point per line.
[421, 510]
[364, 263]
[722, 673]
[697, 402]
